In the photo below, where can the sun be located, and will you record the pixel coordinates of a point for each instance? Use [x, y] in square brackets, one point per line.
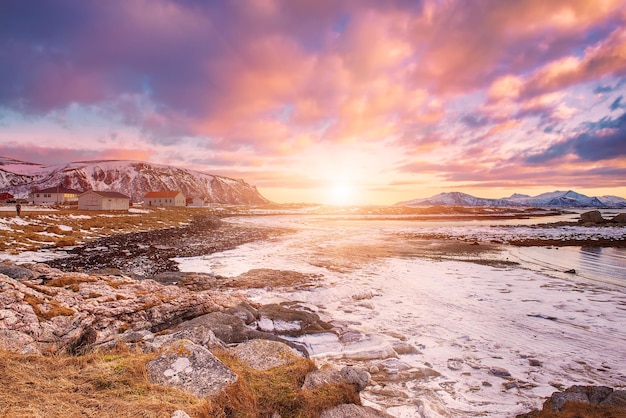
[342, 193]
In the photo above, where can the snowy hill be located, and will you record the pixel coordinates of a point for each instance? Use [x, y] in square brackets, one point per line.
[132, 178]
[552, 199]
[454, 199]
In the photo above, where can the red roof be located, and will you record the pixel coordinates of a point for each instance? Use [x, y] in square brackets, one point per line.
[5, 195]
[161, 194]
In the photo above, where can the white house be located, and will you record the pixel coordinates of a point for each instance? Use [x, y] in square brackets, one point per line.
[94, 200]
[164, 198]
[55, 196]
[195, 202]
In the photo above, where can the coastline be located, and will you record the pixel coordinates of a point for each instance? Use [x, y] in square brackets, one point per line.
[434, 362]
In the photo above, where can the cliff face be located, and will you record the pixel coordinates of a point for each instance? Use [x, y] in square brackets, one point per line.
[132, 178]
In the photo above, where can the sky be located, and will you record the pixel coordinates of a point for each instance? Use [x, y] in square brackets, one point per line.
[331, 101]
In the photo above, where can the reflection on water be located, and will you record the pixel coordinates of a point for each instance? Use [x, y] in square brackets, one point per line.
[597, 263]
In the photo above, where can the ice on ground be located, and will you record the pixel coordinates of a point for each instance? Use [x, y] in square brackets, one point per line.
[135, 210]
[488, 341]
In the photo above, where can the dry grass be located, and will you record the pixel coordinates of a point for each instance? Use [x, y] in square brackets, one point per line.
[43, 229]
[69, 281]
[579, 410]
[46, 310]
[261, 393]
[115, 384]
[94, 385]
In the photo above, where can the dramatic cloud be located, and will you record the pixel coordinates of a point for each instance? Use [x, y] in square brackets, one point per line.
[602, 140]
[277, 90]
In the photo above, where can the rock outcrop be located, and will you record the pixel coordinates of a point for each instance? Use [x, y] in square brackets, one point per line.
[51, 310]
[264, 354]
[620, 218]
[605, 401]
[353, 411]
[591, 217]
[354, 376]
[190, 367]
[46, 310]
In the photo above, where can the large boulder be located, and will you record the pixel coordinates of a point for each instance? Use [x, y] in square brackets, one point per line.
[190, 367]
[596, 395]
[591, 217]
[601, 400]
[353, 411]
[200, 335]
[620, 218]
[284, 320]
[232, 329]
[264, 354]
[354, 376]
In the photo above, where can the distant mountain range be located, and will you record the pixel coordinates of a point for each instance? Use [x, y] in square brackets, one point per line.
[569, 199]
[132, 178]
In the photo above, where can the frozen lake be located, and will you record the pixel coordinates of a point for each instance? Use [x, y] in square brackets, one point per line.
[473, 339]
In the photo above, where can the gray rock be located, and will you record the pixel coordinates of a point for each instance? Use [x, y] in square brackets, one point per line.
[245, 311]
[357, 377]
[499, 371]
[16, 272]
[585, 394]
[593, 216]
[232, 329]
[18, 342]
[192, 368]
[402, 347]
[615, 398]
[620, 218]
[265, 354]
[200, 335]
[283, 320]
[132, 336]
[353, 411]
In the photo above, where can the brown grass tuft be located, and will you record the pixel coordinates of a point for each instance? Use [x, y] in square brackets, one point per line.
[263, 392]
[578, 410]
[103, 385]
[53, 308]
[69, 281]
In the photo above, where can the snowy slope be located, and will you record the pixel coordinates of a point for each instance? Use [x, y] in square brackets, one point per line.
[132, 178]
[456, 199]
[552, 199]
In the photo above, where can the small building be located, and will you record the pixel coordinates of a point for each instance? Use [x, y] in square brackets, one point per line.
[6, 197]
[95, 200]
[164, 198]
[55, 196]
[196, 201]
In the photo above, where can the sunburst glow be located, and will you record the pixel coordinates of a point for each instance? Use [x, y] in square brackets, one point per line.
[342, 193]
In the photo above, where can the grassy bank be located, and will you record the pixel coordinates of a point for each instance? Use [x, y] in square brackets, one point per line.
[115, 384]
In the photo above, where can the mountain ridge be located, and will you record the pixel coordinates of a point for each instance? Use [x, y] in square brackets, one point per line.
[130, 177]
[557, 198]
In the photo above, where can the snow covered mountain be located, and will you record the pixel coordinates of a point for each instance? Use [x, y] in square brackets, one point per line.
[132, 178]
[552, 199]
[454, 199]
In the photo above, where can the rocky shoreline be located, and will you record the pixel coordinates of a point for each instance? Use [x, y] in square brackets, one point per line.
[126, 290]
[46, 311]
